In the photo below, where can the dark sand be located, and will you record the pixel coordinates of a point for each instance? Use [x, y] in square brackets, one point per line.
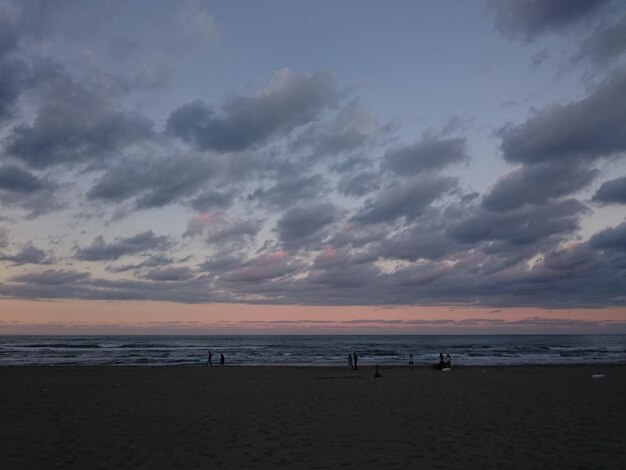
[312, 418]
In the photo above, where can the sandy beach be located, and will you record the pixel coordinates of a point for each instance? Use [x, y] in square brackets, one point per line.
[312, 417]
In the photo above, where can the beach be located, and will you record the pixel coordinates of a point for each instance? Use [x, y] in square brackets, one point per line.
[313, 417]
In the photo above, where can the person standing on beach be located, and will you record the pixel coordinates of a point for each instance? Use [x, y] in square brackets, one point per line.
[448, 361]
[222, 359]
[356, 361]
[411, 363]
[209, 361]
[350, 363]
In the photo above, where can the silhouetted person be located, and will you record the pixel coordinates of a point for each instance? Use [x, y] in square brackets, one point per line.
[209, 360]
[356, 361]
[411, 362]
[350, 363]
[442, 361]
[376, 373]
[222, 359]
[448, 361]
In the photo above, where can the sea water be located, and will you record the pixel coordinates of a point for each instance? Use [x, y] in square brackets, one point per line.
[315, 350]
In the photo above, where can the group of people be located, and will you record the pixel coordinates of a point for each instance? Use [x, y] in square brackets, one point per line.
[444, 362]
[209, 361]
[353, 361]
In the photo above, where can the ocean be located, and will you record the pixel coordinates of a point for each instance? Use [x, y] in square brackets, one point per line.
[318, 350]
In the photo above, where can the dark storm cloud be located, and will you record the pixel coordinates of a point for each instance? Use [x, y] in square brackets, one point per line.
[606, 44]
[29, 254]
[75, 121]
[18, 180]
[409, 198]
[611, 192]
[289, 101]
[289, 191]
[155, 182]
[428, 154]
[613, 238]
[536, 184]
[358, 184]
[302, 222]
[588, 129]
[524, 225]
[530, 18]
[99, 250]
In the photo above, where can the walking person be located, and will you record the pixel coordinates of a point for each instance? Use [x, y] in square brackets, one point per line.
[209, 361]
[350, 363]
[411, 362]
[222, 360]
[356, 361]
[448, 361]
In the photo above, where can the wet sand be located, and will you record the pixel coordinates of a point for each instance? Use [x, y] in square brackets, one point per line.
[312, 418]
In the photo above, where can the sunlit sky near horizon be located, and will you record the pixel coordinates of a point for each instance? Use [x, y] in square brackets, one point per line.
[313, 167]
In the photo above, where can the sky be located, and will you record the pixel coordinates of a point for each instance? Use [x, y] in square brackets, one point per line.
[312, 167]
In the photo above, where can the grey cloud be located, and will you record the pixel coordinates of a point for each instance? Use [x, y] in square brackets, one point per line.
[408, 198]
[611, 192]
[423, 240]
[99, 250]
[211, 200]
[588, 129]
[346, 276]
[288, 101]
[235, 230]
[74, 124]
[51, 277]
[530, 18]
[569, 259]
[220, 263]
[524, 225]
[29, 254]
[4, 238]
[14, 74]
[170, 273]
[427, 154]
[302, 222]
[536, 184]
[606, 44]
[152, 261]
[18, 180]
[613, 238]
[220, 229]
[359, 184]
[290, 191]
[539, 58]
[155, 182]
[353, 127]
[23, 189]
[264, 267]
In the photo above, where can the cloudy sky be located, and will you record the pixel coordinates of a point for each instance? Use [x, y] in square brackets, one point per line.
[300, 166]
